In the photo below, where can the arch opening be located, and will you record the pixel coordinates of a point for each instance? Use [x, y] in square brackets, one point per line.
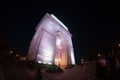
[58, 55]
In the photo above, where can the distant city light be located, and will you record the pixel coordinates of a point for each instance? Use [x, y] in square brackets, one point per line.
[11, 52]
[17, 55]
[82, 59]
[23, 58]
[119, 45]
[99, 55]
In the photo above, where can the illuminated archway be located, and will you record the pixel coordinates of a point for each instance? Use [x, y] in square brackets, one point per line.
[52, 43]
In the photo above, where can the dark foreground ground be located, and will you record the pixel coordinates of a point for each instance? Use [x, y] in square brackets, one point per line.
[12, 70]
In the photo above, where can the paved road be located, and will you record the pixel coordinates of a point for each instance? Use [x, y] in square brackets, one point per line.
[12, 71]
[76, 73]
[9, 70]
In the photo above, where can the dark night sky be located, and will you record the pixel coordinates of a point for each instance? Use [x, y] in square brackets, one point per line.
[94, 25]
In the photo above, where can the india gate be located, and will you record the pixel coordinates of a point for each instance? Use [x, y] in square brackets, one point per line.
[52, 43]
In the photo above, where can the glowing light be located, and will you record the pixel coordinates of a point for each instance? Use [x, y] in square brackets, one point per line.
[23, 58]
[58, 42]
[99, 55]
[82, 59]
[50, 63]
[45, 58]
[72, 57]
[39, 61]
[17, 55]
[44, 62]
[11, 52]
[56, 59]
[119, 45]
